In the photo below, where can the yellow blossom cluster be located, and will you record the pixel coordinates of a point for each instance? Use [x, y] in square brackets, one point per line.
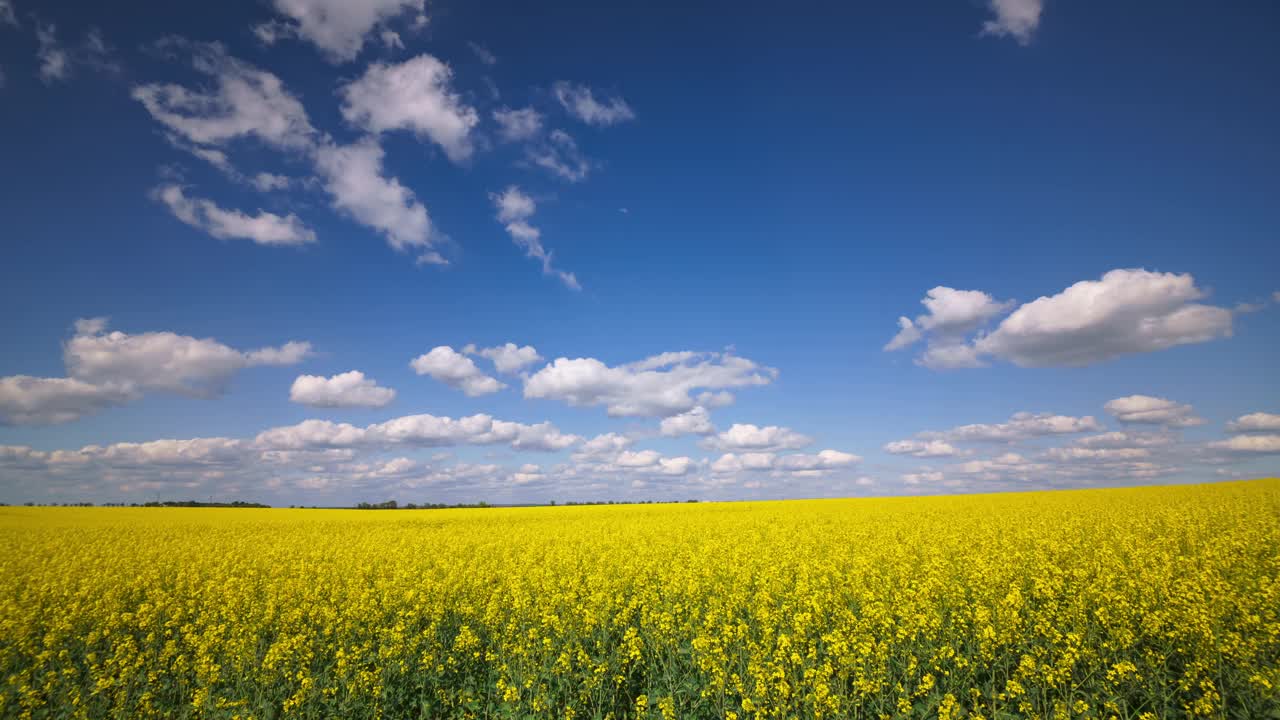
[1135, 603]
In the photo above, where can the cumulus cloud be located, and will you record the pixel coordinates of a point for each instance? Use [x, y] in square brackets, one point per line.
[659, 386]
[417, 431]
[922, 448]
[26, 400]
[199, 367]
[560, 156]
[1116, 439]
[1022, 426]
[1255, 422]
[338, 28]
[415, 95]
[1255, 444]
[695, 422]
[581, 102]
[517, 125]
[106, 369]
[1103, 454]
[514, 209]
[927, 477]
[796, 463]
[508, 358]
[1144, 409]
[354, 178]
[951, 315]
[455, 370]
[348, 389]
[606, 444]
[770, 438]
[1124, 312]
[264, 228]
[1017, 19]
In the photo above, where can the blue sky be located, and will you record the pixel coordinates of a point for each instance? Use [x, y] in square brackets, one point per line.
[384, 184]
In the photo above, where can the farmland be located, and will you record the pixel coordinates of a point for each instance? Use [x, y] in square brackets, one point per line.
[1132, 603]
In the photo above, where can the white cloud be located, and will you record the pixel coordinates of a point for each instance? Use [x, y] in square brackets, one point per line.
[1125, 312]
[1017, 19]
[106, 369]
[264, 228]
[659, 386]
[770, 438]
[517, 125]
[26, 400]
[414, 95]
[391, 40]
[1249, 444]
[7, 15]
[607, 444]
[337, 27]
[1124, 440]
[1255, 422]
[1103, 454]
[514, 210]
[416, 431]
[510, 358]
[55, 62]
[1144, 409]
[353, 176]
[166, 361]
[560, 156]
[252, 103]
[797, 463]
[695, 422]
[455, 370]
[349, 389]
[266, 182]
[951, 315]
[247, 102]
[1022, 426]
[922, 478]
[581, 103]
[922, 448]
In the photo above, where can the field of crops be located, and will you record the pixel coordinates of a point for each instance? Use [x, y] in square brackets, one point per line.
[1135, 603]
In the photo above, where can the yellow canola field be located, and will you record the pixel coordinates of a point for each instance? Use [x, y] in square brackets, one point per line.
[1155, 602]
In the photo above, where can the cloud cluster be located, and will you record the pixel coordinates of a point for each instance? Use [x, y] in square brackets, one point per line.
[338, 28]
[1022, 426]
[1125, 312]
[659, 386]
[111, 368]
[745, 437]
[248, 103]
